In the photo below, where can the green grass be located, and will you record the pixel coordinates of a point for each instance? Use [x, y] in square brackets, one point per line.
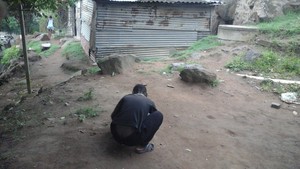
[270, 86]
[50, 51]
[86, 112]
[282, 26]
[37, 48]
[94, 70]
[10, 54]
[74, 51]
[206, 43]
[87, 96]
[269, 62]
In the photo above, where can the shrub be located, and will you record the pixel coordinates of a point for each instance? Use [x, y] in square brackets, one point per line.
[10, 54]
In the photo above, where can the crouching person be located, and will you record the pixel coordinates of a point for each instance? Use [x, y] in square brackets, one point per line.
[135, 120]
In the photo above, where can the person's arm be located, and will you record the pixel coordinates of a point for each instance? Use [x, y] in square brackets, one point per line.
[117, 109]
[152, 108]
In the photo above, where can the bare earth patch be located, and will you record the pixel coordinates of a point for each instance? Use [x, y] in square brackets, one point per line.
[228, 126]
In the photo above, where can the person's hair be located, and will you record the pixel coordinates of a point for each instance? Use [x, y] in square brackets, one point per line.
[50, 17]
[140, 88]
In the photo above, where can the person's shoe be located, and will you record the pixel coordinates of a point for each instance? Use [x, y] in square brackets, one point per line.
[148, 148]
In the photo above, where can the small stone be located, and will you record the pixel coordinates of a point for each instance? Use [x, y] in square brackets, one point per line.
[170, 86]
[51, 119]
[295, 113]
[62, 118]
[67, 104]
[275, 105]
[189, 150]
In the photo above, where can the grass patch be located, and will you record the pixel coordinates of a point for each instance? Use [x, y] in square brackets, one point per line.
[151, 59]
[167, 70]
[50, 51]
[10, 54]
[269, 62]
[35, 46]
[87, 96]
[206, 43]
[94, 70]
[87, 112]
[270, 86]
[74, 51]
[284, 26]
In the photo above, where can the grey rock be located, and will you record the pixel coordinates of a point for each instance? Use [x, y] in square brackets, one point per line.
[251, 56]
[116, 63]
[43, 37]
[275, 105]
[33, 57]
[196, 73]
[177, 66]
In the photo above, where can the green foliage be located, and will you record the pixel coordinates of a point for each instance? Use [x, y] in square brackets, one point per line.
[10, 25]
[278, 88]
[87, 96]
[286, 25]
[94, 70]
[215, 83]
[167, 70]
[10, 54]
[74, 51]
[269, 62]
[206, 43]
[238, 64]
[86, 112]
[50, 51]
[35, 46]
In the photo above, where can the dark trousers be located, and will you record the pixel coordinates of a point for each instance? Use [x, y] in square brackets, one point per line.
[150, 126]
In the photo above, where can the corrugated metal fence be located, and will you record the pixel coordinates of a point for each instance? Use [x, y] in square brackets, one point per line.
[149, 29]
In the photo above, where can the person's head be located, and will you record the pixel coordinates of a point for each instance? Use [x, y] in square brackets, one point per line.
[140, 88]
[50, 17]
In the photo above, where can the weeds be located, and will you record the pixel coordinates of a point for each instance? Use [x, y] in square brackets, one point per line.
[269, 62]
[94, 70]
[87, 96]
[74, 51]
[270, 86]
[282, 26]
[215, 83]
[238, 64]
[202, 44]
[10, 54]
[36, 46]
[50, 51]
[86, 112]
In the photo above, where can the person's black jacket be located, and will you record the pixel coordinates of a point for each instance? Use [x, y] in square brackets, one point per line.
[132, 110]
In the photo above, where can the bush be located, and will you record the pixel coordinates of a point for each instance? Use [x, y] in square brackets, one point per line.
[10, 54]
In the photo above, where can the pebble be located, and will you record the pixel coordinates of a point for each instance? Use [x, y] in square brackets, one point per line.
[189, 150]
[295, 113]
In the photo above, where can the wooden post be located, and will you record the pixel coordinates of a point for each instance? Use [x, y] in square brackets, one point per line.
[22, 25]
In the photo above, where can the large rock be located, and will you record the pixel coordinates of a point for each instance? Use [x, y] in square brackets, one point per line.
[116, 63]
[43, 37]
[240, 12]
[252, 11]
[33, 57]
[196, 73]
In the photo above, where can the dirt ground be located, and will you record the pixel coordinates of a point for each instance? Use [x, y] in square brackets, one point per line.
[228, 126]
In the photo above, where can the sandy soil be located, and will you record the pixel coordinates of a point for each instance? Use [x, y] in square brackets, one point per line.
[228, 126]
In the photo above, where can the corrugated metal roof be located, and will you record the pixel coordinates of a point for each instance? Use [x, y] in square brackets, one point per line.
[174, 1]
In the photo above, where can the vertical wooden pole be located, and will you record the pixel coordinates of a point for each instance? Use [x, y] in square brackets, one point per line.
[22, 25]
